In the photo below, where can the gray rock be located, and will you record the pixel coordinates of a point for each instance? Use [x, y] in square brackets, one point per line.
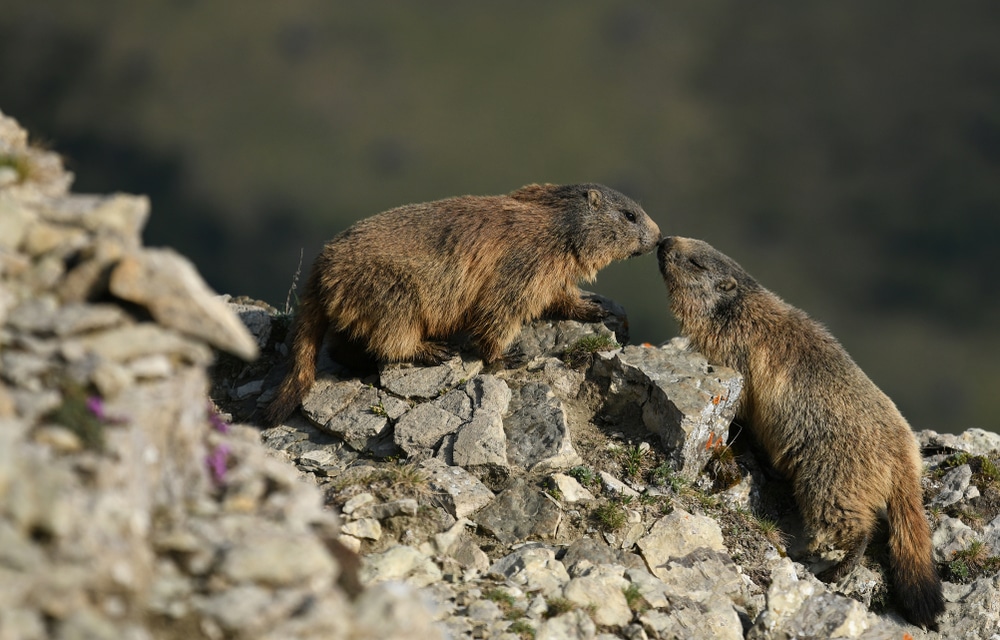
[248, 608]
[677, 535]
[400, 563]
[16, 220]
[256, 318]
[574, 624]
[538, 437]
[685, 618]
[534, 568]
[570, 490]
[488, 394]
[954, 484]
[391, 509]
[61, 241]
[605, 596]
[352, 412]
[481, 443]
[679, 396]
[971, 609]
[35, 315]
[554, 337]
[615, 486]
[368, 528]
[991, 535]
[421, 429]
[410, 381]
[456, 402]
[949, 536]
[978, 442]
[394, 612]
[327, 397]
[565, 381]
[701, 575]
[520, 512]
[168, 285]
[805, 609]
[455, 489]
[136, 341]
[469, 556]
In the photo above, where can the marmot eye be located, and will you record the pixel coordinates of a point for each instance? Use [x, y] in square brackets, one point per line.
[694, 262]
[629, 215]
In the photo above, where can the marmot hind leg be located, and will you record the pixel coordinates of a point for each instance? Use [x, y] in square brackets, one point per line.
[852, 558]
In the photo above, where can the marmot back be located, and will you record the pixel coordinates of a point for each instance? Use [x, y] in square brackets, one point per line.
[401, 282]
[842, 442]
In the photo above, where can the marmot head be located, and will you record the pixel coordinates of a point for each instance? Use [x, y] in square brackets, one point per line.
[598, 224]
[704, 284]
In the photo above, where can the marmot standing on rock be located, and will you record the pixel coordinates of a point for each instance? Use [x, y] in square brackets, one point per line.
[403, 280]
[845, 447]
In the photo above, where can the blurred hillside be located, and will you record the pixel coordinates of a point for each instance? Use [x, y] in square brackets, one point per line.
[847, 154]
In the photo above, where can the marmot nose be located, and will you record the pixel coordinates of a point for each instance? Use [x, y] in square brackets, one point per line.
[667, 243]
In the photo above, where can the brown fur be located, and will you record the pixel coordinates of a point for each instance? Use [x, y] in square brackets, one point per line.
[825, 425]
[403, 280]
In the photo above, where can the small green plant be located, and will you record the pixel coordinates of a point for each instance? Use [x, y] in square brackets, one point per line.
[501, 597]
[610, 516]
[988, 469]
[973, 562]
[82, 414]
[523, 629]
[952, 461]
[959, 570]
[554, 491]
[632, 459]
[406, 476]
[583, 475]
[634, 599]
[379, 410]
[665, 476]
[19, 163]
[582, 351]
[771, 531]
[558, 606]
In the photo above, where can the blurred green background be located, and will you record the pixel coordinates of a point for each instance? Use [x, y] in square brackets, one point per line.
[847, 153]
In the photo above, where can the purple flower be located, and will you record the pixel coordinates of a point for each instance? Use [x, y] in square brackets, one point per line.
[217, 462]
[216, 420]
[96, 406]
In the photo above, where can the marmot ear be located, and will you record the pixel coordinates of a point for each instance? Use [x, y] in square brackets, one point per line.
[727, 285]
[594, 198]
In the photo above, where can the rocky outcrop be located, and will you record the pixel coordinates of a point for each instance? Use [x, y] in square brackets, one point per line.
[128, 508]
[580, 490]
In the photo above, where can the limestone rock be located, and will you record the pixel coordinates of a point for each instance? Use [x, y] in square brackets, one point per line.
[455, 489]
[168, 285]
[607, 599]
[955, 483]
[411, 381]
[422, 428]
[680, 397]
[398, 563]
[570, 490]
[534, 567]
[538, 436]
[520, 512]
[677, 535]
